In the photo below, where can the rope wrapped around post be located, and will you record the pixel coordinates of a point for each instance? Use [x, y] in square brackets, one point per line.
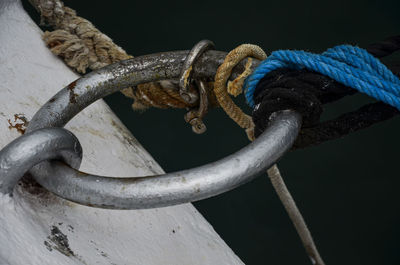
[305, 81]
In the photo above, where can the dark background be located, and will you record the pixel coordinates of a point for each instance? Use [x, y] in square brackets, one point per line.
[347, 189]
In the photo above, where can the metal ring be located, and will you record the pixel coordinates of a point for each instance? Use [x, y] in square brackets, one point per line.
[22, 154]
[160, 190]
[195, 117]
[184, 79]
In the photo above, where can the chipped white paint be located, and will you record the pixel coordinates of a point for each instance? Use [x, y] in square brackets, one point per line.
[41, 229]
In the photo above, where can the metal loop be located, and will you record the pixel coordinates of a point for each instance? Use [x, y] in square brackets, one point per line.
[184, 79]
[195, 117]
[22, 154]
[161, 190]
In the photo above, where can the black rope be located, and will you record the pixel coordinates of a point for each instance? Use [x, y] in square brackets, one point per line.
[385, 47]
[306, 92]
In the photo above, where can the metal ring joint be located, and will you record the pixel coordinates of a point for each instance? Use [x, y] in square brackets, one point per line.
[25, 152]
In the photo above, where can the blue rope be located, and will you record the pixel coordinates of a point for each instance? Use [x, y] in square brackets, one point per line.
[352, 66]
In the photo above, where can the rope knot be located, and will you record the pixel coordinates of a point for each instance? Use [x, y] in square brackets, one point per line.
[304, 81]
[349, 65]
[220, 85]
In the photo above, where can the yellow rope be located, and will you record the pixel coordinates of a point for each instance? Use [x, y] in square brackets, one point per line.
[235, 87]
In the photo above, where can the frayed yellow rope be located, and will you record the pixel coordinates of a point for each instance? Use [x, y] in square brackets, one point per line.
[235, 87]
[221, 77]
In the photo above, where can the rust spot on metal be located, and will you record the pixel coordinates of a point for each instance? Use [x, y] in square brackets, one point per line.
[72, 95]
[21, 125]
[72, 85]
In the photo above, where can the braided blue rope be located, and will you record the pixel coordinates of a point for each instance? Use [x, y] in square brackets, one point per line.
[352, 66]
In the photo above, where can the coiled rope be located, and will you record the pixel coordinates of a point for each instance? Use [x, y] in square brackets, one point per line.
[235, 87]
[294, 86]
[349, 65]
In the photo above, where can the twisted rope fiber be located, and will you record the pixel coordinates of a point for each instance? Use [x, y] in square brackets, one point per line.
[83, 47]
[295, 215]
[349, 65]
[235, 87]
[306, 91]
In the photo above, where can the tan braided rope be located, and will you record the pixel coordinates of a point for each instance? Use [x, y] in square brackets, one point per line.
[235, 87]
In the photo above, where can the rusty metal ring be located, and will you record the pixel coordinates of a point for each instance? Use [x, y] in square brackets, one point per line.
[185, 76]
[195, 117]
[28, 150]
[161, 190]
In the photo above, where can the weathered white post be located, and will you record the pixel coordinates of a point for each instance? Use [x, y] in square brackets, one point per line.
[38, 228]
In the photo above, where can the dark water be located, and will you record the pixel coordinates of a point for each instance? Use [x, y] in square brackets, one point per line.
[347, 189]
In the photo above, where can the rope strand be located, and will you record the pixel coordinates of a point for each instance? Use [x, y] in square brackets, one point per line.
[306, 90]
[83, 47]
[294, 215]
[349, 65]
[221, 77]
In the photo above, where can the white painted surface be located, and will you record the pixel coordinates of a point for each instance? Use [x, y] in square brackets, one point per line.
[29, 76]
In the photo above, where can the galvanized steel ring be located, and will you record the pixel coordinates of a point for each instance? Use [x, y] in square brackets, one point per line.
[160, 190]
[28, 150]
